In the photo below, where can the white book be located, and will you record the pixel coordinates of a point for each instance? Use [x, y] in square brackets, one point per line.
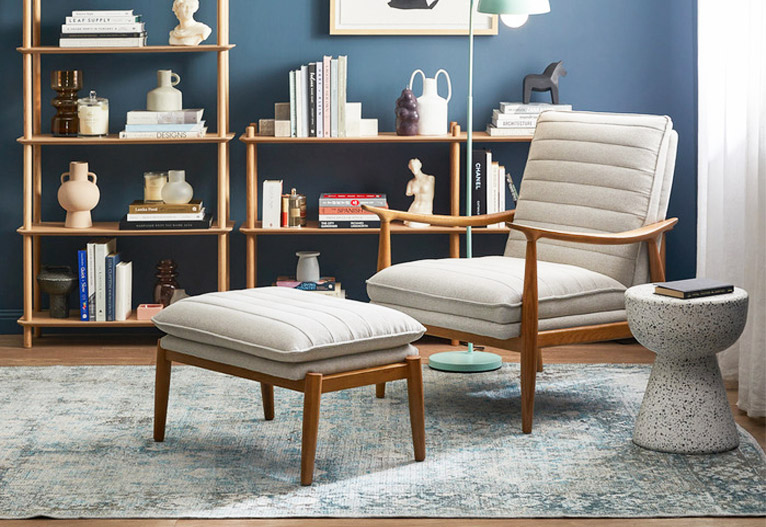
[180, 216]
[91, 254]
[299, 103]
[502, 206]
[342, 94]
[334, 98]
[122, 42]
[491, 185]
[532, 107]
[104, 12]
[320, 99]
[305, 103]
[522, 120]
[293, 130]
[123, 297]
[510, 132]
[100, 20]
[191, 116]
[164, 135]
[326, 66]
[353, 119]
[100, 252]
[272, 204]
[136, 27]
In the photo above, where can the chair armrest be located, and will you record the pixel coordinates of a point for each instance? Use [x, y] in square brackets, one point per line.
[388, 215]
[644, 233]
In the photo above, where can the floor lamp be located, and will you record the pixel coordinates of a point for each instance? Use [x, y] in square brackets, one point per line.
[513, 13]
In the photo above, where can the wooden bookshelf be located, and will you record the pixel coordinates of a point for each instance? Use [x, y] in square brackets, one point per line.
[42, 319]
[252, 228]
[34, 140]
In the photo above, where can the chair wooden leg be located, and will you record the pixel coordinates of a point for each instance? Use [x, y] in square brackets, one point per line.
[311, 399]
[267, 394]
[380, 390]
[539, 360]
[528, 378]
[161, 392]
[417, 408]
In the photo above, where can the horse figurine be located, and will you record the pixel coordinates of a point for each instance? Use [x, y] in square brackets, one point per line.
[548, 81]
[413, 4]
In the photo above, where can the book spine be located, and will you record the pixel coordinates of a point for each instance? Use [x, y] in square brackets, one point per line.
[96, 37]
[91, 250]
[509, 132]
[334, 98]
[505, 122]
[305, 104]
[293, 130]
[326, 67]
[479, 183]
[196, 127]
[708, 292]
[337, 195]
[320, 99]
[181, 117]
[164, 225]
[165, 208]
[342, 94]
[350, 217]
[272, 204]
[197, 216]
[491, 187]
[136, 27]
[312, 88]
[103, 12]
[163, 135]
[102, 42]
[100, 257]
[82, 274]
[517, 107]
[124, 293]
[349, 225]
[101, 20]
[111, 262]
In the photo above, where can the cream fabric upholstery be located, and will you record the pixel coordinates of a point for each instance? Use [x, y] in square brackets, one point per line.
[287, 325]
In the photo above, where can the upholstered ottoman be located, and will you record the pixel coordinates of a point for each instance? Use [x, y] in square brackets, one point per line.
[293, 339]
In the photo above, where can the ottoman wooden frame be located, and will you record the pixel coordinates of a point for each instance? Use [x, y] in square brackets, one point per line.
[312, 387]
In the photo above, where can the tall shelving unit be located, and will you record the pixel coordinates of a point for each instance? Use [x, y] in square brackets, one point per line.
[34, 228]
[252, 228]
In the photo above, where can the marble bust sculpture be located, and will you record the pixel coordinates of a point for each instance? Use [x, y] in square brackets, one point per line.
[188, 32]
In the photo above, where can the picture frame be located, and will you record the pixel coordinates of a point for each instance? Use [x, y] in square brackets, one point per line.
[407, 17]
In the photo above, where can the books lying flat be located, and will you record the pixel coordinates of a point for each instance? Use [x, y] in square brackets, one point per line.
[532, 107]
[324, 284]
[108, 29]
[494, 131]
[103, 42]
[141, 207]
[366, 224]
[164, 135]
[191, 116]
[693, 288]
[175, 216]
[519, 120]
[205, 223]
[193, 127]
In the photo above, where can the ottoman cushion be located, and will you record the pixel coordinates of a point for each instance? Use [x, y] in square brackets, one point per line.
[287, 370]
[287, 325]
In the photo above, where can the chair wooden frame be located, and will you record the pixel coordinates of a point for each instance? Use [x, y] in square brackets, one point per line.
[312, 387]
[531, 340]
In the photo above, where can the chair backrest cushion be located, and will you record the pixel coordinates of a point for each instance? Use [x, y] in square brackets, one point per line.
[596, 173]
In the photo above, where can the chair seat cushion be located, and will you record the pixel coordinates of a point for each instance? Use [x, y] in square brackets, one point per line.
[287, 325]
[490, 288]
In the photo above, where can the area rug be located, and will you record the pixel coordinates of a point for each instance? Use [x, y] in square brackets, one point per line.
[76, 443]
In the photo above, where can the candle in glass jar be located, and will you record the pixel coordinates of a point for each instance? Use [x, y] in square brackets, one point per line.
[93, 114]
[153, 183]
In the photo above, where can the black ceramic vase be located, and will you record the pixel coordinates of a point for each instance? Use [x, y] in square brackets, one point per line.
[407, 117]
[58, 282]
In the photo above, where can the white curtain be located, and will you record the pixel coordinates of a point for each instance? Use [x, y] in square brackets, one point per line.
[732, 175]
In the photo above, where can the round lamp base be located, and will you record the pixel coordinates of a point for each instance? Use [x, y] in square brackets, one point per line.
[465, 361]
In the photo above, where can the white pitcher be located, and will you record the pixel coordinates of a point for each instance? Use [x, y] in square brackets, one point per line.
[432, 107]
[165, 98]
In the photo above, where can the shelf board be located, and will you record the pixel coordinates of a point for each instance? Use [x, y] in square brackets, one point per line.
[44, 320]
[389, 137]
[396, 228]
[113, 229]
[49, 50]
[113, 139]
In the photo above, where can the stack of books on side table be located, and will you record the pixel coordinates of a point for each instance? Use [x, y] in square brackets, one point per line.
[490, 183]
[518, 119]
[183, 124]
[164, 216]
[103, 29]
[344, 211]
[105, 282]
[325, 286]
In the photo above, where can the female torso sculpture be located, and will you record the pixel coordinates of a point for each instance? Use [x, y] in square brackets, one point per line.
[422, 187]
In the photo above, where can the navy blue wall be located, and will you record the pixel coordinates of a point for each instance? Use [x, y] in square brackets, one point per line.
[622, 55]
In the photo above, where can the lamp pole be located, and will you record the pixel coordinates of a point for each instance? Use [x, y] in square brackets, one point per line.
[469, 175]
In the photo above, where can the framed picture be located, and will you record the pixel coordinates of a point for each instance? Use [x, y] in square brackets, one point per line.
[406, 17]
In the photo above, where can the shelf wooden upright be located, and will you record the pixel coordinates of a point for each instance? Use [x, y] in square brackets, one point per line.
[34, 229]
[252, 228]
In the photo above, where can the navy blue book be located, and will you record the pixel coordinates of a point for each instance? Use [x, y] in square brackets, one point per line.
[111, 271]
[82, 275]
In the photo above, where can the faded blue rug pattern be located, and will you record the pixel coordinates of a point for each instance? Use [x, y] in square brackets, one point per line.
[76, 442]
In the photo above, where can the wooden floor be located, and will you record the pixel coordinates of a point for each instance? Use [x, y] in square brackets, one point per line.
[116, 350]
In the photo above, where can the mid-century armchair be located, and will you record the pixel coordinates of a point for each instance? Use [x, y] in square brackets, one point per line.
[589, 223]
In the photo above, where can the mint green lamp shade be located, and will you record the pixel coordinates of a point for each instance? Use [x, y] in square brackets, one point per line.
[514, 7]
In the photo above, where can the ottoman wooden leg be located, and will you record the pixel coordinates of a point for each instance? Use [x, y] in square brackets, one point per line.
[380, 390]
[311, 399]
[161, 391]
[417, 408]
[267, 394]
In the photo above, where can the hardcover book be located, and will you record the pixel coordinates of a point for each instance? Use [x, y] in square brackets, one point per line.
[482, 161]
[191, 116]
[111, 268]
[342, 94]
[693, 288]
[312, 89]
[326, 104]
[509, 132]
[82, 275]
[126, 225]
[101, 250]
[124, 290]
[320, 99]
[150, 207]
[532, 107]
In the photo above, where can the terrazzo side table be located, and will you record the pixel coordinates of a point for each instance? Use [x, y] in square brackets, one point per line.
[685, 409]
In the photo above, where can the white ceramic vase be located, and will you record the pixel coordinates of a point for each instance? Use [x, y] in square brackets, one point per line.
[78, 195]
[177, 190]
[308, 266]
[433, 108]
[165, 98]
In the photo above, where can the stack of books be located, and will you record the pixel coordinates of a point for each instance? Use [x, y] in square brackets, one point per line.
[103, 29]
[318, 107]
[165, 216]
[105, 282]
[344, 211]
[183, 124]
[519, 119]
[489, 189]
[325, 286]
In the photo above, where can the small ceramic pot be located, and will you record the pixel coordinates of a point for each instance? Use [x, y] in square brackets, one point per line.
[177, 190]
[78, 195]
[58, 282]
[308, 266]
